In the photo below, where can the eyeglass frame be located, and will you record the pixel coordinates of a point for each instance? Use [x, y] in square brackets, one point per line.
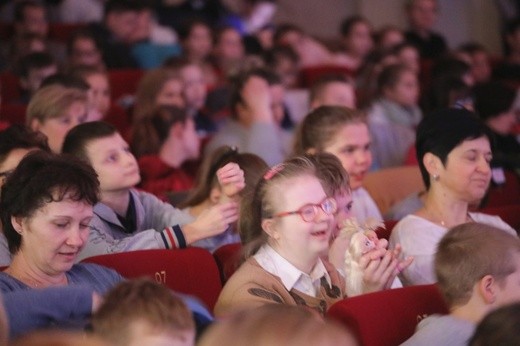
[315, 208]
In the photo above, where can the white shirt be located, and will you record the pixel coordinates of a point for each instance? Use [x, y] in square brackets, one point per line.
[419, 238]
[272, 262]
[363, 206]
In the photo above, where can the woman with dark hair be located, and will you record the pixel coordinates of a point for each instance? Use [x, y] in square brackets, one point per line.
[454, 154]
[45, 207]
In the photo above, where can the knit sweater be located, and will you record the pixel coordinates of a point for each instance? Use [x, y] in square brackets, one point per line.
[252, 286]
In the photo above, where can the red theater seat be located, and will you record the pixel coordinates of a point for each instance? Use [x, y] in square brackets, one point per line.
[309, 75]
[13, 113]
[191, 270]
[124, 82]
[228, 259]
[388, 317]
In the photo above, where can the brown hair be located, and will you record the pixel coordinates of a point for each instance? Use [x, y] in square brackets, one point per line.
[277, 324]
[140, 300]
[331, 173]
[149, 134]
[52, 101]
[469, 252]
[318, 88]
[149, 87]
[320, 126]
[252, 165]
[389, 77]
[260, 206]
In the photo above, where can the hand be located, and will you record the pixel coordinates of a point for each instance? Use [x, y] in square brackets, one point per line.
[231, 180]
[210, 222]
[381, 266]
[96, 301]
[257, 98]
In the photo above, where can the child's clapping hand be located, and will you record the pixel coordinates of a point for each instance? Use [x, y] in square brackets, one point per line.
[231, 179]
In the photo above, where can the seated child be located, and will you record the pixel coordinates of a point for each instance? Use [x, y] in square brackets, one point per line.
[478, 270]
[54, 110]
[499, 327]
[209, 192]
[276, 325]
[163, 142]
[289, 220]
[126, 219]
[15, 142]
[143, 312]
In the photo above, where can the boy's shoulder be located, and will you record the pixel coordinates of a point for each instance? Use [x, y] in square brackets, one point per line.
[441, 330]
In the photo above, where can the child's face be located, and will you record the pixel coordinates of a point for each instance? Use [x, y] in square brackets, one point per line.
[99, 92]
[199, 43]
[56, 128]
[406, 91]
[344, 202]
[351, 145]
[292, 237]
[36, 76]
[194, 87]
[423, 14]
[359, 41]
[230, 46]
[509, 289]
[171, 94]
[115, 165]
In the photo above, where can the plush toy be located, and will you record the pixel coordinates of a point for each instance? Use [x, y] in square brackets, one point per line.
[363, 238]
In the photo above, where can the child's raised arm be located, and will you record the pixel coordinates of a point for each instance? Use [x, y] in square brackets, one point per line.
[232, 181]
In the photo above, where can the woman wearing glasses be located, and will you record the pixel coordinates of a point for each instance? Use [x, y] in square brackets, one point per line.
[292, 218]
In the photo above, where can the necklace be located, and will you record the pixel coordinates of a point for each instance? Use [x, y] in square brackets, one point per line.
[440, 220]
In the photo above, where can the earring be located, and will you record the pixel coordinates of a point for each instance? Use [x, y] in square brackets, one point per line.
[435, 177]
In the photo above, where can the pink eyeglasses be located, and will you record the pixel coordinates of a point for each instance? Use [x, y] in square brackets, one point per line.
[309, 212]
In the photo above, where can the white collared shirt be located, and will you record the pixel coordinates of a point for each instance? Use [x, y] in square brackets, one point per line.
[292, 277]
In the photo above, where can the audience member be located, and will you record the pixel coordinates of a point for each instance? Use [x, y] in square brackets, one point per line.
[143, 312]
[275, 324]
[126, 219]
[394, 115]
[45, 208]
[209, 191]
[407, 54]
[194, 92]
[344, 133]
[99, 88]
[509, 68]
[228, 52]
[163, 142]
[477, 268]
[332, 90]
[15, 142]
[115, 33]
[387, 37]
[57, 337]
[479, 58]
[84, 49]
[33, 69]
[54, 110]
[356, 37]
[284, 61]
[159, 87]
[290, 218]
[454, 153]
[422, 15]
[499, 327]
[494, 104]
[256, 116]
[81, 11]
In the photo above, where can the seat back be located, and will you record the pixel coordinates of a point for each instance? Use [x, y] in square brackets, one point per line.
[13, 113]
[510, 214]
[191, 270]
[391, 185]
[309, 75]
[10, 88]
[124, 82]
[507, 193]
[388, 317]
[228, 259]
[384, 233]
